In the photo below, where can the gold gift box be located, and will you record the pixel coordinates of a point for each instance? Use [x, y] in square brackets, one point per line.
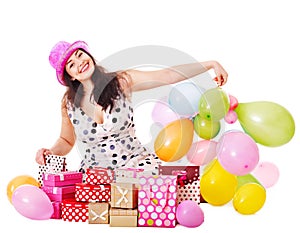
[123, 217]
[98, 212]
[124, 195]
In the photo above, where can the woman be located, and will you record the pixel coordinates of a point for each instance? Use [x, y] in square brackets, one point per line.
[96, 108]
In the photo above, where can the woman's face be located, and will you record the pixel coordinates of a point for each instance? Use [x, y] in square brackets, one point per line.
[80, 66]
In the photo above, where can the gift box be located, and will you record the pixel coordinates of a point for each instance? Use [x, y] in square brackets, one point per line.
[188, 181]
[157, 201]
[56, 210]
[53, 164]
[124, 195]
[128, 175]
[192, 172]
[73, 211]
[99, 175]
[62, 178]
[98, 212]
[59, 193]
[190, 191]
[123, 217]
[92, 193]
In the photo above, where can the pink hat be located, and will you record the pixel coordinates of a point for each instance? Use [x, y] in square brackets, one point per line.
[59, 55]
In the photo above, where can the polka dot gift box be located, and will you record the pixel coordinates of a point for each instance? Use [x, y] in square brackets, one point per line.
[157, 201]
[73, 211]
[99, 175]
[53, 164]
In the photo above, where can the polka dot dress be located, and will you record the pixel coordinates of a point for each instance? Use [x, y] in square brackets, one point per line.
[113, 143]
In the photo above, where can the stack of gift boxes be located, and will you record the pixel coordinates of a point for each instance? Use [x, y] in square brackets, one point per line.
[59, 187]
[125, 197]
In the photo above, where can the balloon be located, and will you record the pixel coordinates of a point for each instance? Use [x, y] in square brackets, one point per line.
[213, 104]
[206, 129]
[163, 114]
[246, 179]
[268, 123]
[217, 186]
[189, 214]
[32, 202]
[230, 117]
[233, 102]
[267, 173]
[237, 152]
[174, 140]
[18, 181]
[202, 152]
[184, 98]
[249, 198]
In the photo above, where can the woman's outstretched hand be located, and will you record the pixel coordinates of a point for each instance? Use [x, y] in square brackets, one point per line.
[221, 74]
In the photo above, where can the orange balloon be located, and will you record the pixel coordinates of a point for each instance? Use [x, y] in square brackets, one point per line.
[18, 181]
[174, 140]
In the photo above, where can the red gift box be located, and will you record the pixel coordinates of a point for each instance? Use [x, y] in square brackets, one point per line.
[62, 178]
[59, 193]
[192, 173]
[99, 175]
[92, 193]
[73, 211]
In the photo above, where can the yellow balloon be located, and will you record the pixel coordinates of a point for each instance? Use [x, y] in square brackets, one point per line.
[249, 198]
[18, 181]
[217, 186]
[174, 140]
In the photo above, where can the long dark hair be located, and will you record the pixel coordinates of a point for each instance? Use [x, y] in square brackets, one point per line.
[106, 90]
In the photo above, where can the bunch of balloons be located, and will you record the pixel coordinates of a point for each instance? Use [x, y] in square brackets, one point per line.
[233, 171]
[25, 194]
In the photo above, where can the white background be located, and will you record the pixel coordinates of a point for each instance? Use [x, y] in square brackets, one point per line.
[257, 42]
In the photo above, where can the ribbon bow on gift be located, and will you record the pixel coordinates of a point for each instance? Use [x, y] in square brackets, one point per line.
[135, 171]
[101, 215]
[123, 197]
[182, 176]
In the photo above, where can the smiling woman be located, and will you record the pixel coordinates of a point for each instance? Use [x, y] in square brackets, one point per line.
[97, 110]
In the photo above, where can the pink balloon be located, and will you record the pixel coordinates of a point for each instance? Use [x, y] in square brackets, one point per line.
[237, 152]
[202, 152]
[32, 202]
[231, 117]
[233, 102]
[266, 173]
[163, 114]
[189, 214]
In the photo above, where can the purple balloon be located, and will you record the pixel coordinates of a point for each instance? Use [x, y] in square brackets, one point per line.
[237, 152]
[189, 214]
[32, 202]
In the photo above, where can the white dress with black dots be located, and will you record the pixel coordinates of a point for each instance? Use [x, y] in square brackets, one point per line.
[113, 143]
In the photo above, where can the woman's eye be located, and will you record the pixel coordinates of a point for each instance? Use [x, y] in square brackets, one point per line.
[71, 65]
[79, 54]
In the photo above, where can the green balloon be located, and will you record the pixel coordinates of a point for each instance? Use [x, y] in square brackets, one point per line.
[213, 104]
[268, 123]
[245, 179]
[206, 129]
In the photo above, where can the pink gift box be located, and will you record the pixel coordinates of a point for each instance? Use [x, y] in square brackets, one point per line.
[92, 193]
[99, 175]
[157, 201]
[62, 178]
[59, 193]
[56, 210]
[73, 211]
